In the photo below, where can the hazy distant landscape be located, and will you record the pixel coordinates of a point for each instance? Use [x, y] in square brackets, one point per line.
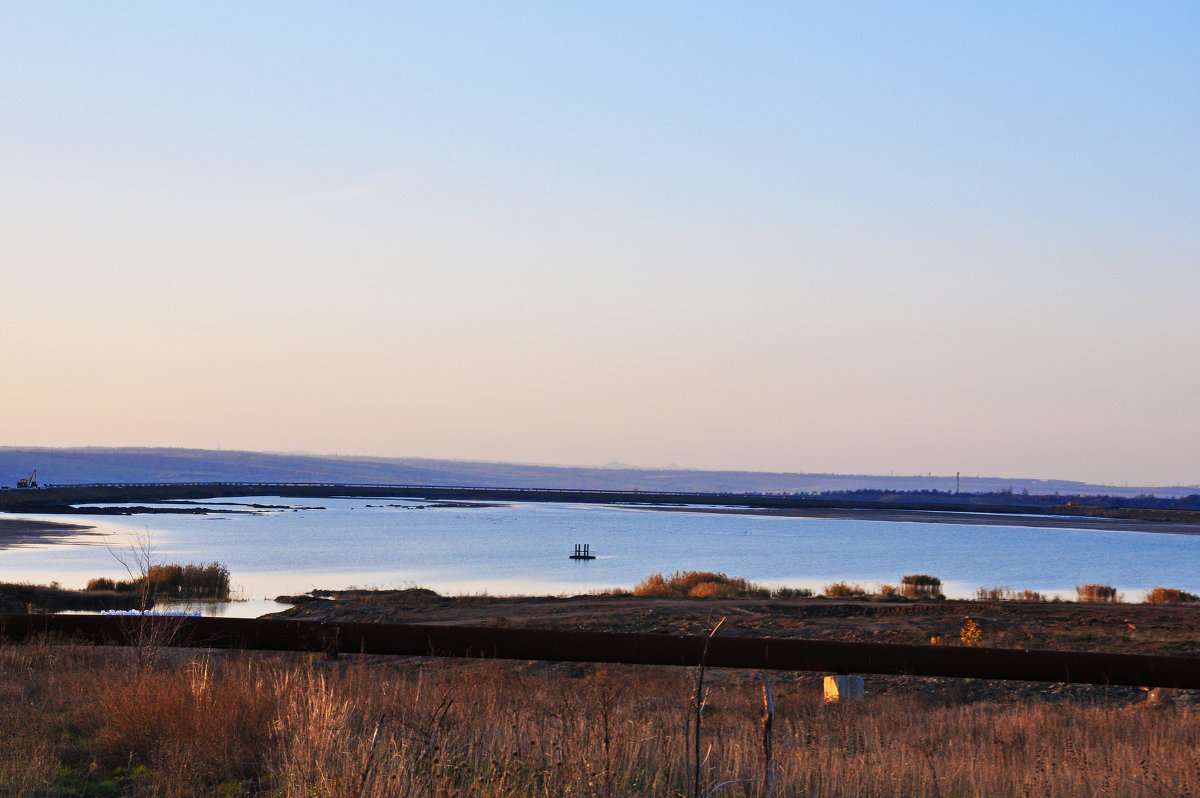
[66, 466]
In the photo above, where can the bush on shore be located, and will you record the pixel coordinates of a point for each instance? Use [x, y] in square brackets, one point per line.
[1170, 595]
[698, 584]
[918, 587]
[921, 586]
[845, 590]
[707, 584]
[1098, 593]
[791, 592]
[174, 581]
[1006, 593]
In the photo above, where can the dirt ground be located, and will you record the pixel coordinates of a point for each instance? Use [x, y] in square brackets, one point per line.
[1128, 628]
[1131, 628]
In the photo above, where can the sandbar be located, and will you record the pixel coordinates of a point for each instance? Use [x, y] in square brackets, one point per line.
[26, 531]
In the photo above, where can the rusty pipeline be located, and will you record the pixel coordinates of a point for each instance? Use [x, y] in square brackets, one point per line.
[767, 653]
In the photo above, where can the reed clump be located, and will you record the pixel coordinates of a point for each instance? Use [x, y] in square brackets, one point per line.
[173, 581]
[698, 584]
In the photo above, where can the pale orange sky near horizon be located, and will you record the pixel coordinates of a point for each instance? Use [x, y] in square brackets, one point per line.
[788, 239]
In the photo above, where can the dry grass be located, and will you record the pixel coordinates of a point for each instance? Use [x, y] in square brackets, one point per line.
[82, 721]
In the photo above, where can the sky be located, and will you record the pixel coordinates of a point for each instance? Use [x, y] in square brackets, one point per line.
[826, 237]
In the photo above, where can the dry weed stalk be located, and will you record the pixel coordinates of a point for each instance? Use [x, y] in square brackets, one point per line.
[768, 724]
[699, 705]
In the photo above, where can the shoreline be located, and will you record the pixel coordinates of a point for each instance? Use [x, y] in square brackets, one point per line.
[1000, 510]
[28, 531]
[981, 518]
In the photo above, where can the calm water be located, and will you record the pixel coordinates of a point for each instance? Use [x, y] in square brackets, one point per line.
[338, 543]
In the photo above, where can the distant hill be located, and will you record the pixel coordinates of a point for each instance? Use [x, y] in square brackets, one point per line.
[75, 466]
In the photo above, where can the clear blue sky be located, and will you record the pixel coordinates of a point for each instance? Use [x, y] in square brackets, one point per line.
[781, 236]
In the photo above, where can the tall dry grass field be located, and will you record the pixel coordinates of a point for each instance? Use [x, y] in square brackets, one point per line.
[92, 721]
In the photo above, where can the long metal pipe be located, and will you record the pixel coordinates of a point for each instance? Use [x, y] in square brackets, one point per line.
[617, 647]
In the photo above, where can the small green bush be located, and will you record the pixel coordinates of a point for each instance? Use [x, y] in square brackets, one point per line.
[791, 592]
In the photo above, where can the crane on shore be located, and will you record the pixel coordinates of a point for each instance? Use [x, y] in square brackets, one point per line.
[29, 482]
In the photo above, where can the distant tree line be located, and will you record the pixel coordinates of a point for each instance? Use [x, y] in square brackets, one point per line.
[1013, 498]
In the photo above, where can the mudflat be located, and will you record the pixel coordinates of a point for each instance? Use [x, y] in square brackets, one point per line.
[25, 531]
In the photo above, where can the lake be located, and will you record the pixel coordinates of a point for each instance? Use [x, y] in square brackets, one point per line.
[296, 545]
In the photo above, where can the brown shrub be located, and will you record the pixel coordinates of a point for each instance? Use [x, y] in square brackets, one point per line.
[698, 584]
[1006, 593]
[202, 721]
[1170, 595]
[921, 586]
[190, 580]
[708, 590]
[687, 581]
[653, 585]
[845, 590]
[1094, 592]
[174, 581]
